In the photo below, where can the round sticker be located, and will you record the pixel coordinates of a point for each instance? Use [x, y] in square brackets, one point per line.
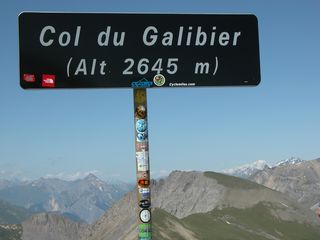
[141, 137]
[145, 215]
[141, 111]
[159, 80]
[141, 125]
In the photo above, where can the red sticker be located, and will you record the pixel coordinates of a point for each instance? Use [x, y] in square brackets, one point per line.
[143, 182]
[29, 77]
[48, 80]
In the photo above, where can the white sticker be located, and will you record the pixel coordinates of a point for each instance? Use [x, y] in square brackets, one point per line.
[142, 161]
[145, 215]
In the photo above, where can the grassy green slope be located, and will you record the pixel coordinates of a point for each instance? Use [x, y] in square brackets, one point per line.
[233, 182]
[162, 226]
[253, 223]
[256, 223]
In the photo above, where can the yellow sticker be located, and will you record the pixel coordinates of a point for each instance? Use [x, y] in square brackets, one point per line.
[140, 96]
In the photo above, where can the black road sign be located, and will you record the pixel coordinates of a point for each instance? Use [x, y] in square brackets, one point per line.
[115, 50]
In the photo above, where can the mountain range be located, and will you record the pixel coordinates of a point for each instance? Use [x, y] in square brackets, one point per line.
[81, 200]
[300, 180]
[247, 170]
[271, 203]
[198, 205]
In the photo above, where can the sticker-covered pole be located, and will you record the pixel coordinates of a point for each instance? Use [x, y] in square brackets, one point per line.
[142, 163]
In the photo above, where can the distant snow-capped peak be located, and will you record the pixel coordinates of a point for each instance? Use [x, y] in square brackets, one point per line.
[289, 161]
[247, 170]
[94, 181]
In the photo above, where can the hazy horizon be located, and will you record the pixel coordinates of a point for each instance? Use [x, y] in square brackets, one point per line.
[74, 176]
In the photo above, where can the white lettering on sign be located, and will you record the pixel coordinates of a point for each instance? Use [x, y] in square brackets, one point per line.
[201, 37]
[43, 32]
[152, 36]
[224, 38]
[144, 66]
[48, 36]
[64, 39]
[104, 37]
[84, 65]
[141, 66]
[167, 39]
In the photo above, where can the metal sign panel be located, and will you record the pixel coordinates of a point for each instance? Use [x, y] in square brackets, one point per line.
[131, 50]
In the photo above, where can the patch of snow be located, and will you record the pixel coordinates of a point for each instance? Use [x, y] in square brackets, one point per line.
[247, 170]
[284, 204]
[54, 204]
[289, 161]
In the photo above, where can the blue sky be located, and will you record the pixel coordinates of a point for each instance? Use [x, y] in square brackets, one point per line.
[69, 133]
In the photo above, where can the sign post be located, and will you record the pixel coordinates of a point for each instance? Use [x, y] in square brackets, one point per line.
[139, 51]
[142, 163]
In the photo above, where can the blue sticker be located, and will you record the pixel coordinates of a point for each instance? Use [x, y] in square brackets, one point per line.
[141, 137]
[142, 83]
[144, 193]
[141, 125]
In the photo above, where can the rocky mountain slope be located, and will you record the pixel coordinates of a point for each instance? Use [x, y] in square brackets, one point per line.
[10, 219]
[51, 227]
[10, 214]
[10, 232]
[299, 180]
[84, 199]
[188, 203]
